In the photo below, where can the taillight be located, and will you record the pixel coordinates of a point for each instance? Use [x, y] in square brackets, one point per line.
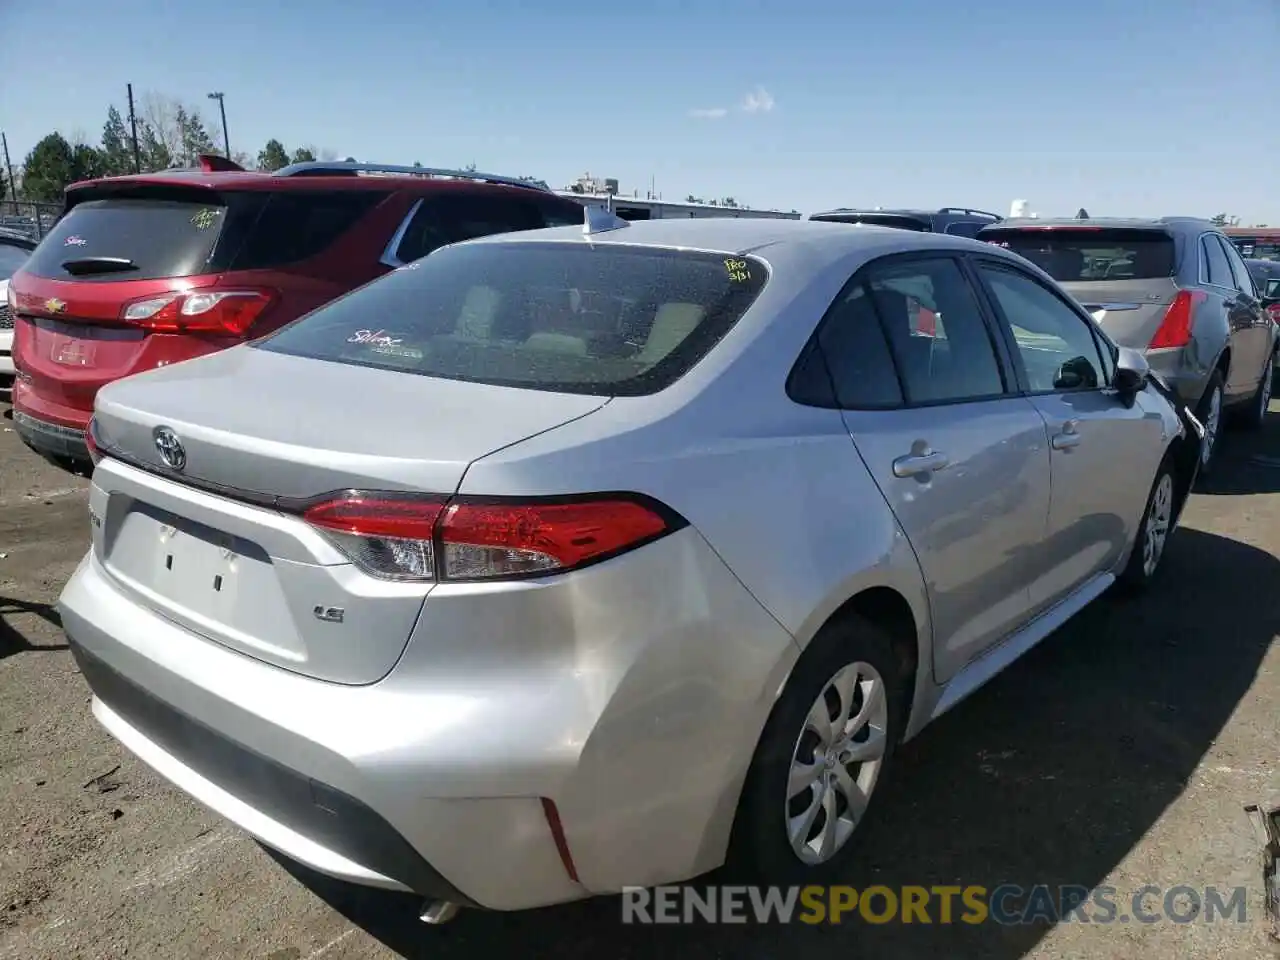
[1274, 310]
[1175, 328]
[405, 537]
[227, 312]
[91, 442]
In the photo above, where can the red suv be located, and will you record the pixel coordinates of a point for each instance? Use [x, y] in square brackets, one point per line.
[147, 270]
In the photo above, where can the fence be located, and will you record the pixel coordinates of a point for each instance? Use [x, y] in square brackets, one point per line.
[28, 217]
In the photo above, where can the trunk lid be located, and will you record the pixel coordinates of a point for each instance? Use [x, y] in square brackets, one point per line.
[215, 548]
[1129, 310]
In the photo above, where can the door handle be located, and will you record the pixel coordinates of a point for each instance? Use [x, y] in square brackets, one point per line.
[1069, 438]
[920, 464]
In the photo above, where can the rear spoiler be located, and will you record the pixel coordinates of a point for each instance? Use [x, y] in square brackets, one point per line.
[216, 163]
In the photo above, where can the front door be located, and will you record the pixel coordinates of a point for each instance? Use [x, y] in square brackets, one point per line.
[1103, 464]
[962, 462]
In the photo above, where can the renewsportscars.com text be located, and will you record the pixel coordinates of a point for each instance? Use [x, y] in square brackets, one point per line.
[1007, 904]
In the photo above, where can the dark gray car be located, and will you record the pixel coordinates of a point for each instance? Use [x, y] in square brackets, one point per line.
[1175, 288]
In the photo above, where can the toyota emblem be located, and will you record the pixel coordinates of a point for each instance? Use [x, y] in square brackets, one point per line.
[170, 448]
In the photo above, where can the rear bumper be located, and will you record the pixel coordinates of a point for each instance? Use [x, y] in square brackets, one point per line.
[51, 439]
[337, 833]
[631, 695]
[1188, 380]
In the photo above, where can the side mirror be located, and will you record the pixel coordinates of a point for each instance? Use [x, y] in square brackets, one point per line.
[1132, 374]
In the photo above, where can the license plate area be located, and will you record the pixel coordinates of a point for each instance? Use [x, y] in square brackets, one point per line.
[188, 567]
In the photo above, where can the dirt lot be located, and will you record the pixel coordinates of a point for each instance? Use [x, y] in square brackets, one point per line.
[1120, 752]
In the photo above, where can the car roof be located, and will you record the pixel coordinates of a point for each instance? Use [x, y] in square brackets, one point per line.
[13, 236]
[1115, 223]
[810, 243]
[339, 180]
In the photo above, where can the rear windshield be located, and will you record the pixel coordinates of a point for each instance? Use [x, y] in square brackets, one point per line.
[155, 233]
[1091, 253]
[130, 239]
[608, 320]
[879, 220]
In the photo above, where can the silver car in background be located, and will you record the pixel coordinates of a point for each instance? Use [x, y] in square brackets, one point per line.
[1175, 288]
[560, 562]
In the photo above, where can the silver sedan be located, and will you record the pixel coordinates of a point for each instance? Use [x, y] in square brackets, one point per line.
[560, 562]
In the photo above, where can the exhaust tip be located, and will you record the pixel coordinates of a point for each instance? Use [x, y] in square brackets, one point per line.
[436, 912]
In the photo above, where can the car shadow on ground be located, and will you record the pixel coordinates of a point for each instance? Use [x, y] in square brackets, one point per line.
[1250, 461]
[11, 641]
[1050, 775]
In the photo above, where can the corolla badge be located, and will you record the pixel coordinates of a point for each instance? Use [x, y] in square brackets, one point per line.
[169, 447]
[55, 305]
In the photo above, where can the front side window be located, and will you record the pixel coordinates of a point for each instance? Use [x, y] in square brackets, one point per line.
[605, 319]
[1058, 349]
[1239, 272]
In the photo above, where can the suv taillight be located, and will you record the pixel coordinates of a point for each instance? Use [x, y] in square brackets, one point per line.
[226, 312]
[408, 537]
[1175, 328]
[91, 442]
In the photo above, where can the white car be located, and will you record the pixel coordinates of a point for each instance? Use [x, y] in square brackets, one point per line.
[14, 250]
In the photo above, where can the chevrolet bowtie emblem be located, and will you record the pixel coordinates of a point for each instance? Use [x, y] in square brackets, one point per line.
[55, 305]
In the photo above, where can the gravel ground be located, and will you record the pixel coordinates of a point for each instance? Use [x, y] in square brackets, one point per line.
[1120, 752]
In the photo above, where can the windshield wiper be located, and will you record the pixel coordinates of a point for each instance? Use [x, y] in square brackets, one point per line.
[87, 265]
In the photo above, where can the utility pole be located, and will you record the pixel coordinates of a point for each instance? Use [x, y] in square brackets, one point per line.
[13, 186]
[222, 109]
[133, 132]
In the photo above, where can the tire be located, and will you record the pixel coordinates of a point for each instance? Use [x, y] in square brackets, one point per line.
[1152, 540]
[1256, 413]
[1208, 410]
[769, 808]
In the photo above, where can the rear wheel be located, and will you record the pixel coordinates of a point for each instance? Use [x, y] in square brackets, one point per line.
[1153, 532]
[1209, 413]
[821, 758]
[1256, 415]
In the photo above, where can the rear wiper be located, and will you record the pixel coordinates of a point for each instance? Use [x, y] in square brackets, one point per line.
[87, 265]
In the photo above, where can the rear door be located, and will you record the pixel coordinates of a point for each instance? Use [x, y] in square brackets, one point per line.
[960, 458]
[1103, 454]
[1125, 277]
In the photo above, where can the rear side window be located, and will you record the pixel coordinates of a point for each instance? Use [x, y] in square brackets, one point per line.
[1214, 266]
[131, 239]
[608, 320]
[563, 216]
[879, 220]
[450, 219]
[857, 354]
[1073, 254]
[295, 225]
[965, 228]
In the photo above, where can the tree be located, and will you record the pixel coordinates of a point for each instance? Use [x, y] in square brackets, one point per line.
[117, 148]
[155, 153]
[48, 168]
[273, 156]
[87, 163]
[728, 202]
[304, 155]
[195, 137]
[1219, 219]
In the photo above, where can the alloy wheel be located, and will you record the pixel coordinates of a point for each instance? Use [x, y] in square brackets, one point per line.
[1159, 520]
[836, 762]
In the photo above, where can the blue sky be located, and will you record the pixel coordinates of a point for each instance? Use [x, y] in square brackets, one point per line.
[1120, 106]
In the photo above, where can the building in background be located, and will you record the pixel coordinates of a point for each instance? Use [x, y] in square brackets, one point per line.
[604, 192]
[1255, 243]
